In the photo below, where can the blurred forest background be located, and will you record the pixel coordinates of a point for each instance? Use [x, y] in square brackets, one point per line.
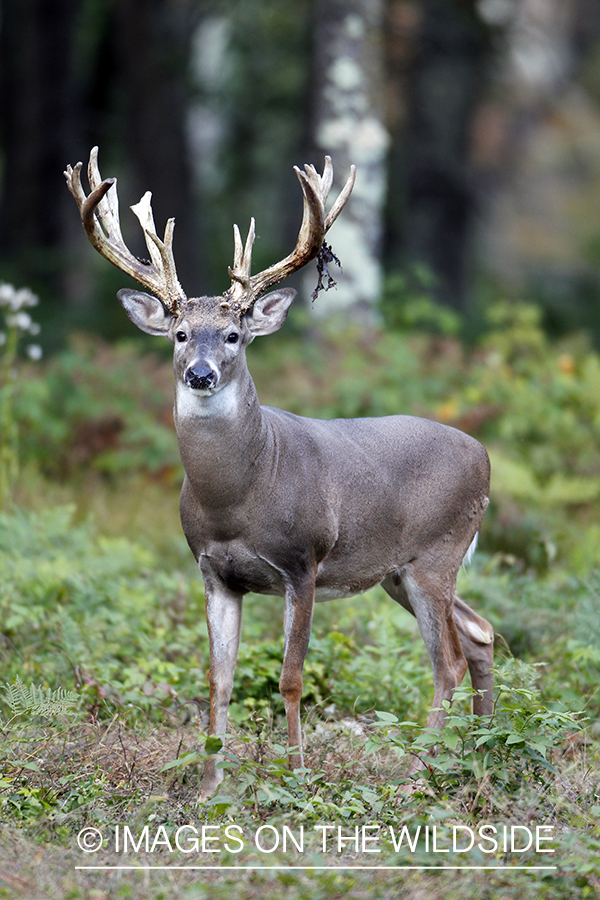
[474, 124]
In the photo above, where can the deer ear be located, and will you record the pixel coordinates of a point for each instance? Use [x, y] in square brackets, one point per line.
[146, 311]
[269, 312]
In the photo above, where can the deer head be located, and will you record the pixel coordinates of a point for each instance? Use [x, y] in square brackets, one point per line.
[209, 334]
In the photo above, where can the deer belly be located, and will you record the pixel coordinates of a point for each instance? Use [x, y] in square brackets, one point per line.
[322, 594]
[333, 583]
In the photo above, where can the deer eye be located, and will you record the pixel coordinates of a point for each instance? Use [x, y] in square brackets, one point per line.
[232, 338]
[181, 336]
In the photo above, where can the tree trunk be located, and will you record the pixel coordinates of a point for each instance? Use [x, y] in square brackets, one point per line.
[39, 124]
[348, 125]
[438, 51]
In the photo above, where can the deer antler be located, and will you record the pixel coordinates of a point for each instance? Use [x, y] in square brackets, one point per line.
[100, 218]
[245, 288]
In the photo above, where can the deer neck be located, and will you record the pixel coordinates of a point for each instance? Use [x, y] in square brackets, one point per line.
[220, 437]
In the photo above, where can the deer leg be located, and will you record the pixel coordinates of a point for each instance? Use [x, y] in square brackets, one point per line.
[224, 617]
[433, 610]
[427, 597]
[476, 639]
[298, 613]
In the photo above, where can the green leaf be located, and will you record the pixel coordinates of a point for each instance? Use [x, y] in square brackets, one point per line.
[188, 759]
[450, 739]
[213, 744]
[31, 766]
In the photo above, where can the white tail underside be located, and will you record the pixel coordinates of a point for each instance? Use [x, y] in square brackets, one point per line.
[471, 551]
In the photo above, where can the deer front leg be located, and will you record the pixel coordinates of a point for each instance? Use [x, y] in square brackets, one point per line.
[224, 617]
[297, 622]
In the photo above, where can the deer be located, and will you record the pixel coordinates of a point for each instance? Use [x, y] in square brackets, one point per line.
[277, 504]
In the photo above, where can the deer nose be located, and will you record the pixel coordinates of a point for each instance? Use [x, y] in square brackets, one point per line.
[200, 377]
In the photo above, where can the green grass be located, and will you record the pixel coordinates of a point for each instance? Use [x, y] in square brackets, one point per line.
[101, 618]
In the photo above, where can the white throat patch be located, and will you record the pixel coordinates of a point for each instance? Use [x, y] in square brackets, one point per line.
[204, 404]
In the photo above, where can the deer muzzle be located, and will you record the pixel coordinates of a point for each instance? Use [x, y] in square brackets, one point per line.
[201, 377]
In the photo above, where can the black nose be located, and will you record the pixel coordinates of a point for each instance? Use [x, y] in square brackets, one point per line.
[200, 377]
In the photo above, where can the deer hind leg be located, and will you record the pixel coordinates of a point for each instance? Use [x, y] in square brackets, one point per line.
[477, 641]
[429, 597]
[298, 613]
[432, 605]
[224, 617]
[476, 637]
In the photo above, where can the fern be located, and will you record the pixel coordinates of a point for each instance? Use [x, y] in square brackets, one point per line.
[35, 700]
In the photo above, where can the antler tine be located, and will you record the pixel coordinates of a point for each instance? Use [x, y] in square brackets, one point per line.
[341, 200]
[100, 218]
[161, 252]
[245, 288]
[327, 176]
[242, 261]
[238, 252]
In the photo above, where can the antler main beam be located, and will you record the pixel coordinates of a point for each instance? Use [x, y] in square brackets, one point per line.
[100, 218]
[245, 288]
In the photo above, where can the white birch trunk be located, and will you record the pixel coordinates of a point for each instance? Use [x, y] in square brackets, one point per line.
[348, 125]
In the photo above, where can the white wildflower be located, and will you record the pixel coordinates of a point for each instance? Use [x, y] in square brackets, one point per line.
[16, 319]
[20, 320]
[26, 297]
[7, 293]
[16, 300]
[34, 351]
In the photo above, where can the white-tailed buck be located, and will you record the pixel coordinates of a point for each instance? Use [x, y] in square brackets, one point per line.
[274, 503]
